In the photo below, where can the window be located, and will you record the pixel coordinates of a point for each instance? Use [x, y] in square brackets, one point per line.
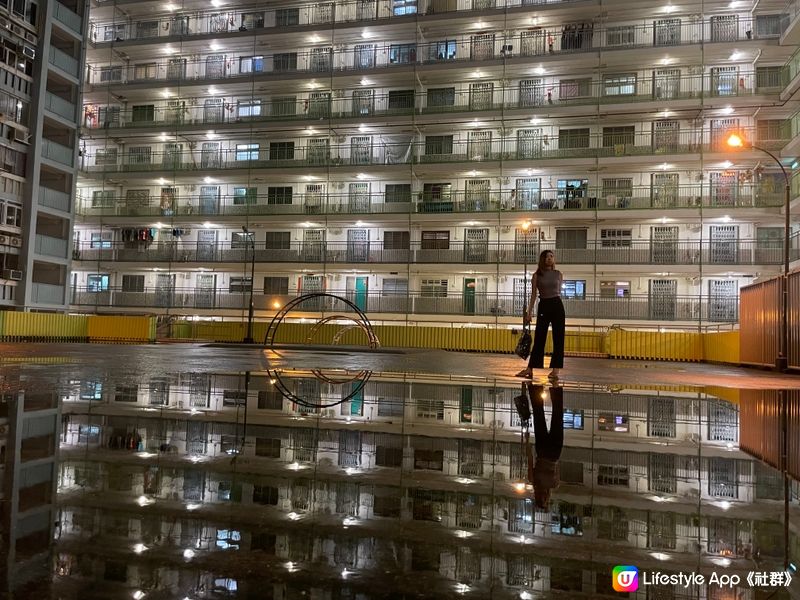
[278, 286]
[394, 287]
[108, 74]
[398, 192]
[612, 475]
[234, 397]
[240, 239]
[278, 240]
[388, 457]
[97, 283]
[435, 240]
[401, 99]
[240, 285]
[287, 17]
[428, 459]
[229, 538]
[281, 151]
[402, 54]
[126, 393]
[614, 137]
[13, 216]
[396, 240]
[88, 433]
[100, 240]
[444, 50]
[247, 151]
[143, 113]
[279, 195]
[574, 88]
[133, 283]
[103, 199]
[105, 156]
[770, 25]
[570, 239]
[248, 108]
[767, 77]
[573, 288]
[612, 422]
[245, 195]
[251, 64]
[618, 191]
[284, 106]
[439, 144]
[269, 400]
[404, 7]
[619, 85]
[139, 155]
[266, 494]
[615, 238]
[573, 419]
[145, 71]
[433, 288]
[573, 138]
[623, 35]
[441, 97]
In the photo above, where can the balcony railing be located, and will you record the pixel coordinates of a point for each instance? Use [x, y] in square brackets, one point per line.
[639, 308]
[592, 198]
[435, 149]
[45, 293]
[59, 106]
[366, 57]
[63, 61]
[57, 152]
[54, 199]
[67, 17]
[51, 246]
[254, 109]
[635, 252]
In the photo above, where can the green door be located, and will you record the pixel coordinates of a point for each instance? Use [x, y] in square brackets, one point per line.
[469, 296]
[357, 401]
[360, 298]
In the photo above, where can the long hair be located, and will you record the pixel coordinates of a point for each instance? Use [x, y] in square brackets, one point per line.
[541, 268]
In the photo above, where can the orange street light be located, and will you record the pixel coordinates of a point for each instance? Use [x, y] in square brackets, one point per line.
[735, 141]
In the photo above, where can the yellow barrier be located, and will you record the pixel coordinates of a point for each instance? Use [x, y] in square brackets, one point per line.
[655, 345]
[721, 347]
[44, 326]
[113, 328]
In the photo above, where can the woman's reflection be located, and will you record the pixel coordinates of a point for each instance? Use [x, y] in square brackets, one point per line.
[543, 472]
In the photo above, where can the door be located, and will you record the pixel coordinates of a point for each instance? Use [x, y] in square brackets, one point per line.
[320, 60]
[357, 245]
[723, 188]
[176, 68]
[366, 10]
[667, 32]
[481, 96]
[357, 291]
[664, 190]
[173, 156]
[361, 150]
[724, 28]
[165, 289]
[723, 300]
[313, 245]
[206, 244]
[213, 110]
[769, 245]
[210, 155]
[179, 26]
[175, 112]
[664, 245]
[364, 56]
[532, 42]
[526, 246]
[724, 81]
[665, 136]
[312, 284]
[662, 299]
[322, 13]
[209, 199]
[479, 145]
[319, 105]
[215, 66]
[196, 437]
[527, 194]
[522, 294]
[531, 93]
[476, 196]
[318, 151]
[205, 288]
[468, 295]
[724, 244]
[529, 143]
[666, 84]
[482, 46]
[314, 198]
[363, 103]
[358, 197]
[476, 245]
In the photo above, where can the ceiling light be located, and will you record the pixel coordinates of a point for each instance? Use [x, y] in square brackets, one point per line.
[215, 47]
[727, 164]
[364, 81]
[539, 71]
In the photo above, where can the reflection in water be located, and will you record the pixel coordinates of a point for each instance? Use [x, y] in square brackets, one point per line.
[214, 485]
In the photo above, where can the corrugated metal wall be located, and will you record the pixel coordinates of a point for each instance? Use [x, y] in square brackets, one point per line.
[760, 322]
[760, 427]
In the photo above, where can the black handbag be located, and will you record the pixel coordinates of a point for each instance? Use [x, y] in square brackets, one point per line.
[523, 349]
[523, 407]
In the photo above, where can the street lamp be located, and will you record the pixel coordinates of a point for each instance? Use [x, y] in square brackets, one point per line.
[248, 339]
[526, 225]
[782, 361]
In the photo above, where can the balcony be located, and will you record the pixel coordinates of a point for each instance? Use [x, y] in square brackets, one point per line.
[69, 19]
[8, 292]
[45, 293]
[59, 106]
[58, 153]
[523, 97]
[63, 61]
[439, 149]
[631, 308]
[593, 198]
[46, 245]
[54, 199]
[636, 252]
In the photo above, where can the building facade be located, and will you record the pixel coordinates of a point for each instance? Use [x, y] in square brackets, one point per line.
[416, 156]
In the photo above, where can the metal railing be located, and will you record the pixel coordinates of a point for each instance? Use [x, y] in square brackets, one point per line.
[63, 61]
[51, 246]
[638, 308]
[46, 293]
[67, 17]
[492, 96]
[363, 151]
[635, 252]
[57, 152]
[594, 198]
[59, 106]
[54, 199]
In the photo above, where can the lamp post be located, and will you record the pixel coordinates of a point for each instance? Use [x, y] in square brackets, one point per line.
[782, 360]
[525, 228]
[248, 339]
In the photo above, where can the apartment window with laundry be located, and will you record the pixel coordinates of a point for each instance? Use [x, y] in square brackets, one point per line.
[276, 286]
[133, 283]
[240, 285]
[247, 151]
[573, 138]
[245, 195]
[278, 240]
[281, 150]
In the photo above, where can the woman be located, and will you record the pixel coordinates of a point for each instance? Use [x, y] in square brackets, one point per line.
[543, 473]
[546, 283]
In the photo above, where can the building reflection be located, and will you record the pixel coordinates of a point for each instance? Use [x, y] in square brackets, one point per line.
[206, 486]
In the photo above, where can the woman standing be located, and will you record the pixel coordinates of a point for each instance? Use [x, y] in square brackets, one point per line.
[546, 283]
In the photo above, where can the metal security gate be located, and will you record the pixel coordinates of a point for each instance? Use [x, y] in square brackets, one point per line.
[532, 42]
[322, 13]
[204, 290]
[479, 145]
[723, 300]
[209, 199]
[665, 136]
[476, 195]
[361, 150]
[664, 190]
[215, 66]
[724, 244]
[176, 68]
[662, 299]
[366, 10]
[196, 437]
[724, 81]
[213, 110]
[210, 155]
[664, 245]
[357, 245]
[666, 84]
[312, 284]
[358, 198]
[363, 103]
[165, 289]
[320, 60]
[667, 32]
[476, 245]
[724, 28]
[173, 156]
[364, 56]
[206, 244]
[313, 245]
[481, 96]
[723, 188]
[723, 421]
[526, 246]
[661, 472]
[661, 417]
[318, 151]
[482, 46]
[349, 448]
[722, 481]
[319, 105]
[529, 143]
[522, 293]
[470, 457]
[531, 93]
[314, 198]
[527, 194]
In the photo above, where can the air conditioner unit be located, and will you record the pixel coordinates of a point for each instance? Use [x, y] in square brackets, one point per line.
[12, 274]
[29, 51]
[20, 136]
[16, 242]
[4, 240]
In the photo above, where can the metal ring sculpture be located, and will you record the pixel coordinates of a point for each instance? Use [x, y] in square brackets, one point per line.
[362, 323]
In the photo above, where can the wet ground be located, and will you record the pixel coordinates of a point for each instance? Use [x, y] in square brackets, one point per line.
[201, 471]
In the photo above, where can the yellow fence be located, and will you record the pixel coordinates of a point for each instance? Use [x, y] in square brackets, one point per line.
[57, 327]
